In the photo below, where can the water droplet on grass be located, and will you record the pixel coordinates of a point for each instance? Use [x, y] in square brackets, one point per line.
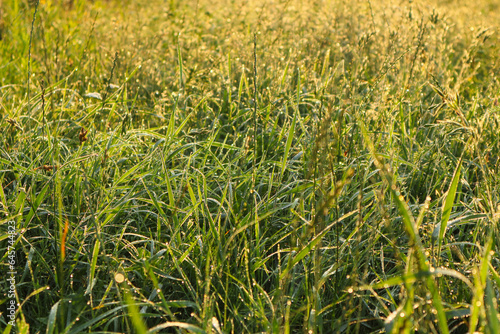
[119, 278]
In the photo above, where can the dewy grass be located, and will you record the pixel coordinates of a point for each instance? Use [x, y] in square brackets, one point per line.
[291, 166]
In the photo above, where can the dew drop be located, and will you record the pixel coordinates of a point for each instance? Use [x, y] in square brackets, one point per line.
[119, 278]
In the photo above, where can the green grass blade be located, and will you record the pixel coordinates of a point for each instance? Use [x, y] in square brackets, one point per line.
[411, 229]
[448, 205]
[179, 59]
[51, 321]
[133, 312]
[307, 249]
[176, 324]
[88, 324]
[288, 144]
[491, 308]
[480, 278]
[416, 276]
[283, 78]
[36, 204]
[95, 255]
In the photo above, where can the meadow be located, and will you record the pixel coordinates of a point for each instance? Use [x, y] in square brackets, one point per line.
[258, 166]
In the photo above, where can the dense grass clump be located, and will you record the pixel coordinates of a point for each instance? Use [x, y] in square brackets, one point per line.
[255, 166]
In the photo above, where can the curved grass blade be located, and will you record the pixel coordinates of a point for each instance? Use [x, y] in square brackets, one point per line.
[80, 328]
[480, 285]
[183, 325]
[311, 245]
[95, 254]
[491, 307]
[52, 318]
[413, 277]
[133, 312]
[447, 206]
[288, 144]
[411, 229]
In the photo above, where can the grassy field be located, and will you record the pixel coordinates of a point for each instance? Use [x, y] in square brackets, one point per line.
[250, 166]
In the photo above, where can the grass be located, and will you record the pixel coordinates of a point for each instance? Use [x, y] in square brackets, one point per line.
[237, 167]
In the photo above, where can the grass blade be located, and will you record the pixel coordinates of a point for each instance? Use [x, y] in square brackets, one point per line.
[300, 255]
[480, 278]
[411, 229]
[176, 324]
[179, 59]
[133, 312]
[51, 322]
[95, 255]
[447, 206]
[79, 329]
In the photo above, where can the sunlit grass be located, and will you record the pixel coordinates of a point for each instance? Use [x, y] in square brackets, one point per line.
[185, 166]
